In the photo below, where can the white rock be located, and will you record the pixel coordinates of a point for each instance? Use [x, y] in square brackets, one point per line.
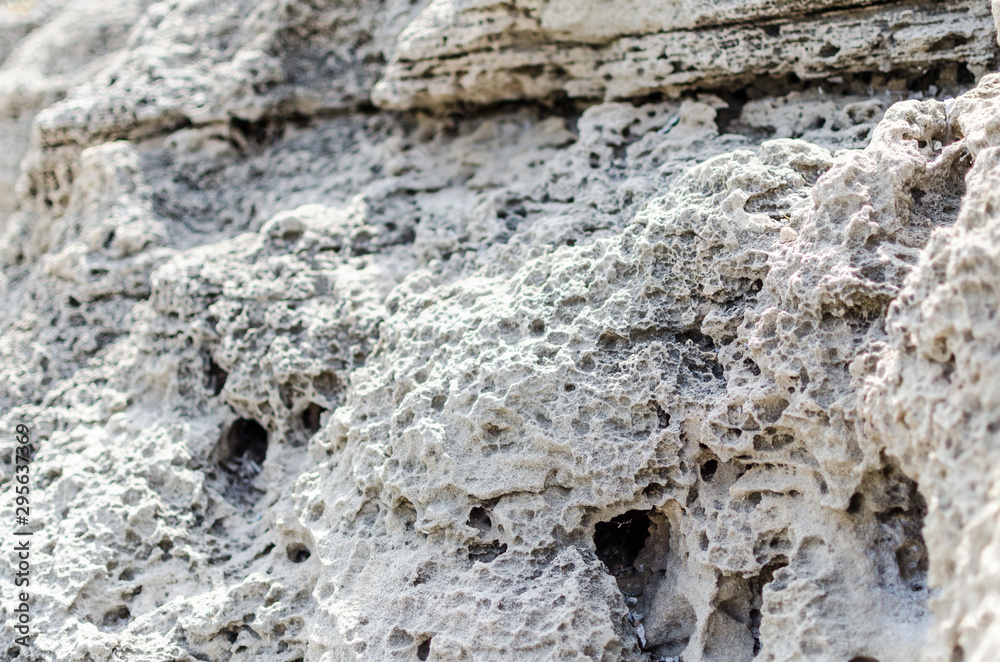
[699, 363]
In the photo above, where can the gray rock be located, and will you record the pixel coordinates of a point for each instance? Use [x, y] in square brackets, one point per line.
[357, 331]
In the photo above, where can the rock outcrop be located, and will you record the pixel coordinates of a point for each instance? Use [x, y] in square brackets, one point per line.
[480, 331]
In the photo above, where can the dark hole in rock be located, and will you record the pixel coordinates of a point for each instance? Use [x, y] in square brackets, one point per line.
[480, 519]
[863, 658]
[757, 584]
[708, 470]
[486, 553]
[424, 650]
[216, 560]
[653, 490]
[772, 439]
[437, 402]
[311, 416]
[215, 376]
[117, 616]
[619, 541]
[245, 448]
[240, 454]
[730, 114]
[297, 552]
[856, 504]
[965, 75]
[948, 42]
[696, 338]
[258, 134]
[662, 416]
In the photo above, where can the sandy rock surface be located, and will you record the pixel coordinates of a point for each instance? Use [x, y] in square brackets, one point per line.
[538, 330]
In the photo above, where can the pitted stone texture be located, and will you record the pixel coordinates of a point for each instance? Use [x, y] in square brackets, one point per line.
[592, 381]
[481, 52]
[46, 48]
[199, 61]
[934, 402]
[605, 384]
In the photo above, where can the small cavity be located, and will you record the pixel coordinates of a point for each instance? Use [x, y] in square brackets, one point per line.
[619, 542]
[297, 552]
[486, 552]
[480, 519]
[118, 616]
[662, 417]
[244, 448]
[215, 376]
[424, 649]
[311, 417]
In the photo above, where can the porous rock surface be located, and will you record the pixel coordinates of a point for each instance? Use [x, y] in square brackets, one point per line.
[488, 331]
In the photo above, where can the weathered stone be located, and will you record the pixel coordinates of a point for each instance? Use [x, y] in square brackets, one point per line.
[478, 52]
[707, 375]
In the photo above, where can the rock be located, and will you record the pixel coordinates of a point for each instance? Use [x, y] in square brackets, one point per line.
[481, 52]
[360, 332]
[48, 48]
[932, 398]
